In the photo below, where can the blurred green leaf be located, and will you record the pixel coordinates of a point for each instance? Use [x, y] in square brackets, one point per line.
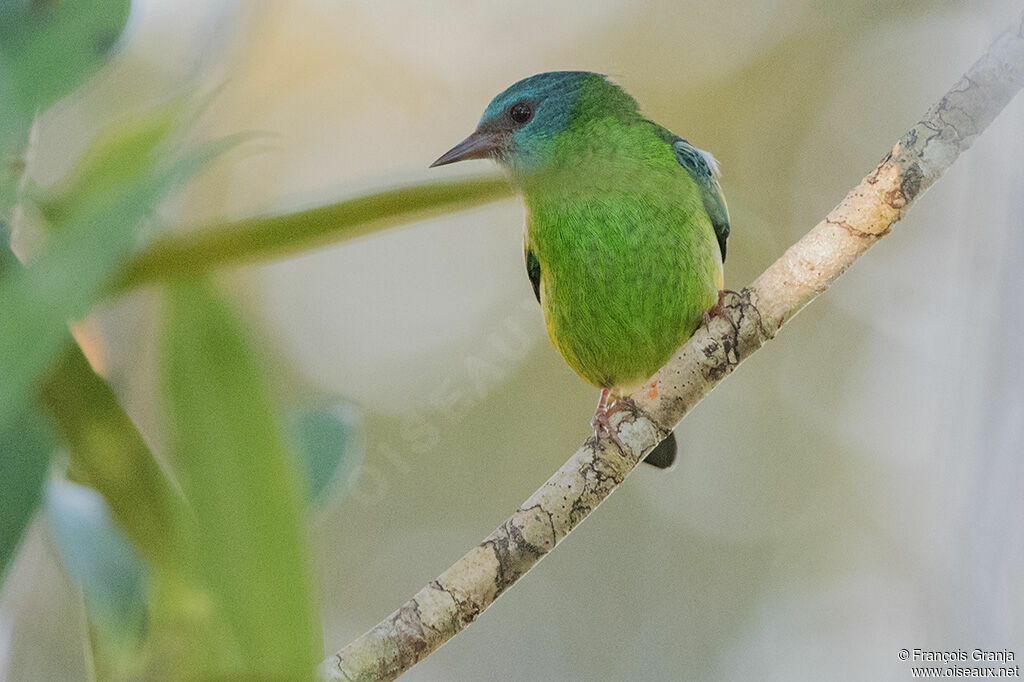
[46, 50]
[240, 483]
[330, 440]
[108, 454]
[25, 447]
[274, 236]
[49, 48]
[128, 149]
[8, 263]
[99, 557]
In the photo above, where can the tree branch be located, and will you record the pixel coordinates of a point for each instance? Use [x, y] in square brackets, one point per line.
[460, 594]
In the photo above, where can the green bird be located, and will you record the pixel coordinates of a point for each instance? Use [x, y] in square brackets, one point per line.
[626, 226]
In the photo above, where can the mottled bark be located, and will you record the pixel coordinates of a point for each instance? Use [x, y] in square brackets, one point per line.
[460, 594]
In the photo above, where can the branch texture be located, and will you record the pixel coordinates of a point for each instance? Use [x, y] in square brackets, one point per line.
[455, 599]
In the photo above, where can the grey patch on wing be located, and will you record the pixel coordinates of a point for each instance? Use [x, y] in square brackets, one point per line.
[703, 168]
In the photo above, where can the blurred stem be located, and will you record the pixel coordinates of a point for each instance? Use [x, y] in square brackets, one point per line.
[266, 237]
[446, 605]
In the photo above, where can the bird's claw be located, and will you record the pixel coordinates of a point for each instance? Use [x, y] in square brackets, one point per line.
[601, 423]
[606, 407]
[718, 310]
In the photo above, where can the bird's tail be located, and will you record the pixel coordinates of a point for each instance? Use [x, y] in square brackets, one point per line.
[663, 456]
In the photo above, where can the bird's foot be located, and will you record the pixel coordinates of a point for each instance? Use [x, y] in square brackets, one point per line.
[718, 310]
[606, 407]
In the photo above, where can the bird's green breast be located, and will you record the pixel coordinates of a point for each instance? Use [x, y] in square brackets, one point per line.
[628, 256]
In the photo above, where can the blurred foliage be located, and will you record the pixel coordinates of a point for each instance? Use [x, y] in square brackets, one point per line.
[269, 236]
[46, 50]
[84, 249]
[104, 563]
[109, 455]
[240, 484]
[213, 581]
[117, 155]
[216, 603]
[329, 437]
[7, 260]
[92, 238]
[49, 48]
[24, 453]
[25, 447]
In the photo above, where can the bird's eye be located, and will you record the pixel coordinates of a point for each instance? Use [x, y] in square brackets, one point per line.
[520, 113]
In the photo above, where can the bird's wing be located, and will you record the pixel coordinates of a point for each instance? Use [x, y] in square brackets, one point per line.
[703, 168]
[532, 269]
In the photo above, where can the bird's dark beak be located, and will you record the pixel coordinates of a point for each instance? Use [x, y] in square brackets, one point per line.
[479, 145]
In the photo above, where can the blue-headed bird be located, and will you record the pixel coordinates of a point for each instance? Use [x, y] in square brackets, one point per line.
[626, 226]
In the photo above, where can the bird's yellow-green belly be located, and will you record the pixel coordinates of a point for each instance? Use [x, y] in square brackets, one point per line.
[623, 285]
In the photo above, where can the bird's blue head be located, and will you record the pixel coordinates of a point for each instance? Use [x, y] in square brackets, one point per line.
[520, 124]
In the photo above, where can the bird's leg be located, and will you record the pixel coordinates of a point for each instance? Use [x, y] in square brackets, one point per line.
[606, 407]
[718, 310]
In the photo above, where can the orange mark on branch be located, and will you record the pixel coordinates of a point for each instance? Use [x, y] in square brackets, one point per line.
[653, 393]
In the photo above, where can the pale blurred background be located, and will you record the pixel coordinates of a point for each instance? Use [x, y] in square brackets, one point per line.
[853, 490]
